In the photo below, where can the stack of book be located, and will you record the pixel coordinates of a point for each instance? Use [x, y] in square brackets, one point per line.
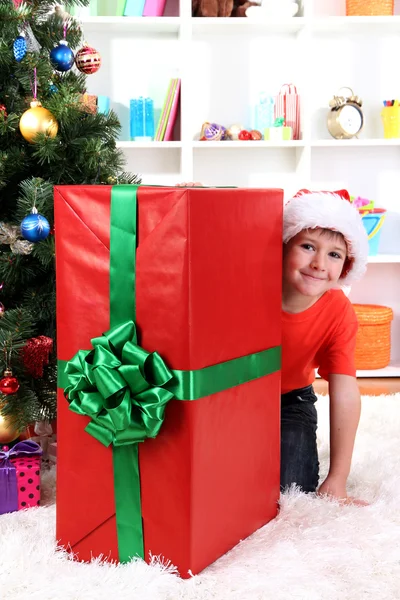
[165, 127]
[119, 8]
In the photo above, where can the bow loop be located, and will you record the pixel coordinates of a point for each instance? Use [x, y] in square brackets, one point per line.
[120, 386]
[24, 448]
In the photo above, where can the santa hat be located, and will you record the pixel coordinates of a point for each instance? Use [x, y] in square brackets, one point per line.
[330, 210]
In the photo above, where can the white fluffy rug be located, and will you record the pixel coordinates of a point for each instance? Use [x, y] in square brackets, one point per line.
[314, 549]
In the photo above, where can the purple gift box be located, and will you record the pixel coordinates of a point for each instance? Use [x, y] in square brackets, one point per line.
[20, 476]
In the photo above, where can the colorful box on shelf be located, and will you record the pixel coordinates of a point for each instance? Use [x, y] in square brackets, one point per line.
[134, 8]
[20, 476]
[263, 113]
[141, 119]
[373, 219]
[98, 8]
[278, 132]
[390, 115]
[210, 477]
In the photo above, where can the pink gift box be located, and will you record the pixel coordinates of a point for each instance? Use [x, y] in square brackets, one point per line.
[28, 480]
[20, 476]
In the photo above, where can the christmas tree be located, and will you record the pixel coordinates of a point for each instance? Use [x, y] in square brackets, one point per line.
[58, 139]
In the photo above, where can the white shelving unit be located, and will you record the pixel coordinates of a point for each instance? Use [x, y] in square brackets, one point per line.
[224, 64]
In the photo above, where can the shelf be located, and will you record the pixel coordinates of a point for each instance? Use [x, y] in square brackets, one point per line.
[127, 24]
[393, 370]
[249, 144]
[368, 25]
[384, 258]
[148, 145]
[229, 25]
[262, 144]
[367, 142]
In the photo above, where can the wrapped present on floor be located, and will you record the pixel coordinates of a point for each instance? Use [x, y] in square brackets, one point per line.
[52, 452]
[44, 436]
[20, 476]
[279, 132]
[168, 423]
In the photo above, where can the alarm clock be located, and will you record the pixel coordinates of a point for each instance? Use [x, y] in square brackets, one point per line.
[345, 119]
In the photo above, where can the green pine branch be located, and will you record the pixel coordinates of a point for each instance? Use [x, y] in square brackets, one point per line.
[83, 152]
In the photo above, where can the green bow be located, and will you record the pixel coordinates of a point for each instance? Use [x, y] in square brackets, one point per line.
[120, 387]
[279, 122]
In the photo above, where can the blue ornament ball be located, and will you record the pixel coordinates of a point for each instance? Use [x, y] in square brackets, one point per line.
[35, 227]
[61, 57]
[19, 48]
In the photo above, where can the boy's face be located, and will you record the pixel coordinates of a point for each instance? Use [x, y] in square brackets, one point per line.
[313, 261]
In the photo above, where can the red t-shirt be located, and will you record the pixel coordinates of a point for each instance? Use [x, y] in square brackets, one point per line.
[322, 337]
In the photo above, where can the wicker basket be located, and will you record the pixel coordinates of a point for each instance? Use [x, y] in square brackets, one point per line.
[373, 337]
[369, 8]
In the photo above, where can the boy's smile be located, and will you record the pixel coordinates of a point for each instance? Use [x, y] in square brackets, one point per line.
[313, 261]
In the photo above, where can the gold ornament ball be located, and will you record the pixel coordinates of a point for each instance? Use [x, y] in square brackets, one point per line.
[37, 120]
[8, 433]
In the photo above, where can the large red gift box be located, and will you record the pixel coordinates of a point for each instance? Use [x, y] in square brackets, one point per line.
[208, 290]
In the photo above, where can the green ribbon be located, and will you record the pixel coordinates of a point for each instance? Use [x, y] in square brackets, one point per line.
[124, 389]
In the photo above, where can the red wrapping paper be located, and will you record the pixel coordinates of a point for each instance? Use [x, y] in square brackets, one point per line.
[208, 290]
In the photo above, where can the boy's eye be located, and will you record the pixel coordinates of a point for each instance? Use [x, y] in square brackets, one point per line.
[335, 255]
[307, 246]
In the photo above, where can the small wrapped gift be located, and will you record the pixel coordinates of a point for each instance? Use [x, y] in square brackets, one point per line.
[52, 452]
[44, 436]
[20, 476]
[279, 132]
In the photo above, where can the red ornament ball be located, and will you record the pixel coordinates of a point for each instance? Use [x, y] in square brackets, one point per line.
[88, 60]
[9, 384]
[3, 109]
[255, 135]
[244, 135]
[35, 354]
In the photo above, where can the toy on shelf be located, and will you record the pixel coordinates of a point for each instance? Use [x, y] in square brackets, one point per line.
[213, 132]
[279, 132]
[391, 119]
[373, 219]
[221, 8]
[272, 8]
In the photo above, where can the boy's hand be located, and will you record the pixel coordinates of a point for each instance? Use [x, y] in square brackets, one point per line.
[190, 184]
[336, 489]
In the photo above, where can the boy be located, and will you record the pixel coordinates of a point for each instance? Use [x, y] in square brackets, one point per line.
[325, 247]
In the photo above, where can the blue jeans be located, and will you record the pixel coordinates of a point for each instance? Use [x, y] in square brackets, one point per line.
[299, 455]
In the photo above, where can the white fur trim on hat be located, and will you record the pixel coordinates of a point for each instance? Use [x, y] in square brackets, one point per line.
[328, 210]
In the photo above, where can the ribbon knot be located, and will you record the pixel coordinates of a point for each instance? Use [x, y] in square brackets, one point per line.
[25, 448]
[120, 386]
